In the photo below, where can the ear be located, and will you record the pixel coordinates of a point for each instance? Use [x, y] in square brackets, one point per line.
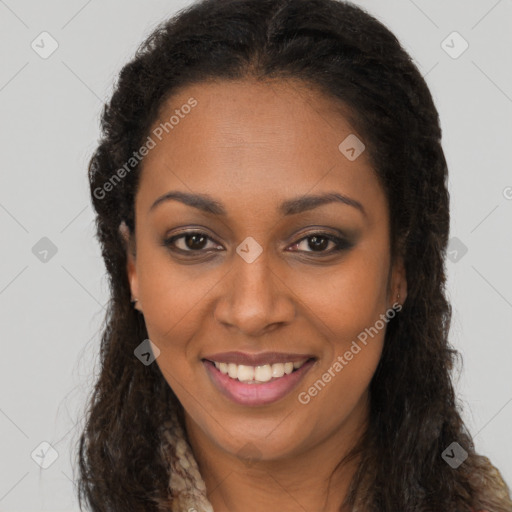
[129, 245]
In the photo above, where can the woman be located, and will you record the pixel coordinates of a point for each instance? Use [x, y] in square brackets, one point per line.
[272, 207]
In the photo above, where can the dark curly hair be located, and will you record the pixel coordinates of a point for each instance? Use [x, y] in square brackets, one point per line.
[349, 56]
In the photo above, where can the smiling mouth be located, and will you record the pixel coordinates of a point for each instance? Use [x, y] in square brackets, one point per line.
[258, 374]
[257, 385]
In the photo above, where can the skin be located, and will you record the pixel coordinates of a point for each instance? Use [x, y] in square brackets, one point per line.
[252, 146]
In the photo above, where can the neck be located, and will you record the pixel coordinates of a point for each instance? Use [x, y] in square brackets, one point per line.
[311, 480]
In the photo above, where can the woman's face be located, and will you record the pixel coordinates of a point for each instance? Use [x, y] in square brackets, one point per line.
[260, 277]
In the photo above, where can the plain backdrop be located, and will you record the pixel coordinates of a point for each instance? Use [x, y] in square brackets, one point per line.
[52, 279]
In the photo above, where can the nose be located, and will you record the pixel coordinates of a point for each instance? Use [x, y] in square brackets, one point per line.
[256, 299]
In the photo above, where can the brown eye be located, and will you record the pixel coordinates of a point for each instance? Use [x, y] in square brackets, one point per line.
[190, 241]
[318, 242]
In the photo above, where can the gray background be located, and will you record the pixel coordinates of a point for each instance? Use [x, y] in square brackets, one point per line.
[51, 311]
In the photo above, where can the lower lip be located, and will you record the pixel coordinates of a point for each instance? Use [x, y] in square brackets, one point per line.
[256, 394]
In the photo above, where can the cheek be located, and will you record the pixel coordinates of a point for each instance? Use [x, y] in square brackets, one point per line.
[353, 324]
[168, 304]
[348, 307]
[338, 392]
[345, 299]
[173, 296]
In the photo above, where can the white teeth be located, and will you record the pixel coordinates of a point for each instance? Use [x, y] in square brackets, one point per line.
[233, 370]
[245, 372]
[263, 373]
[252, 374]
[277, 370]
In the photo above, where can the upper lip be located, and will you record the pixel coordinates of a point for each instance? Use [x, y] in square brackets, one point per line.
[259, 359]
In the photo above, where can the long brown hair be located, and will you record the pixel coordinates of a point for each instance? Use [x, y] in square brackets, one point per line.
[352, 58]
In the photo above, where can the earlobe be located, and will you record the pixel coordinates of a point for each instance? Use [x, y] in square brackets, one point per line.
[132, 275]
[130, 260]
[398, 288]
[401, 284]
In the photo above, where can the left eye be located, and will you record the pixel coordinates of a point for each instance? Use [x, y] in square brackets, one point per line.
[319, 241]
[195, 241]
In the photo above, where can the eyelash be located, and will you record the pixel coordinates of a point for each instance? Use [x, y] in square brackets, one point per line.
[340, 243]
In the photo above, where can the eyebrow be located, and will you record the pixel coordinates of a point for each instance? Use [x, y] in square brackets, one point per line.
[292, 206]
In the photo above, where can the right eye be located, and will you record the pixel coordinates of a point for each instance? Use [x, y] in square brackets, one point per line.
[190, 242]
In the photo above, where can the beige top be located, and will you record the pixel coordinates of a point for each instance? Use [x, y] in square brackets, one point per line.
[188, 490]
[186, 483]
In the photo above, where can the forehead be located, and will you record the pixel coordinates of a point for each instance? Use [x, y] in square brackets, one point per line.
[254, 142]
